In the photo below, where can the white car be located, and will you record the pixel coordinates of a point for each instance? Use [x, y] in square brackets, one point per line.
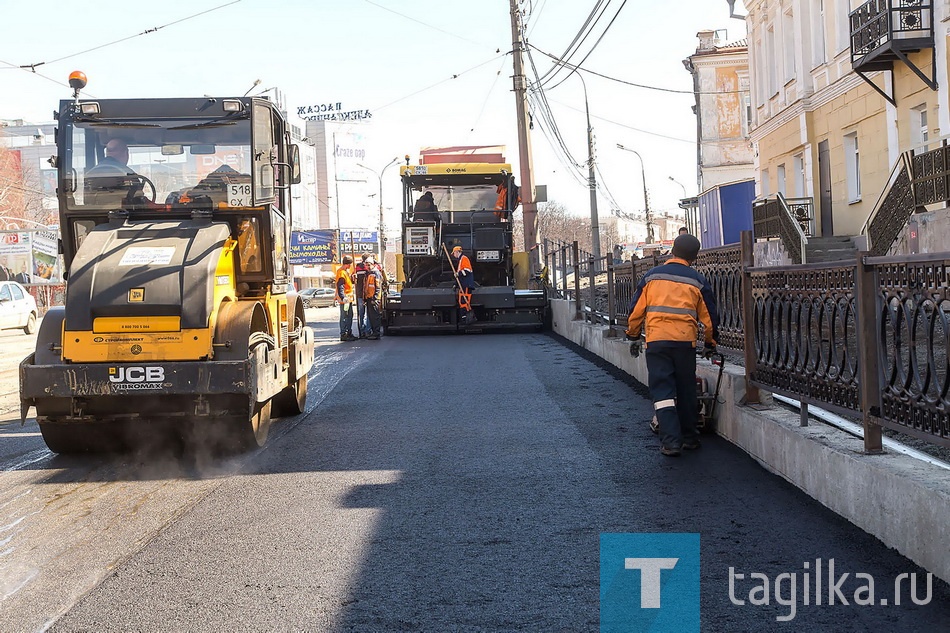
[17, 308]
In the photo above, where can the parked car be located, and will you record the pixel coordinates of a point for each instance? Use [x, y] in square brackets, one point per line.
[317, 297]
[17, 308]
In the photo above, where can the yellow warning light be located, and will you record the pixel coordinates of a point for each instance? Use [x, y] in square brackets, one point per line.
[77, 80]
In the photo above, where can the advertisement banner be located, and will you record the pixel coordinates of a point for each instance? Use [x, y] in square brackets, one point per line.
[357, 242]
[359, 236]
[15, 257]
[313, 247]
[46, 261]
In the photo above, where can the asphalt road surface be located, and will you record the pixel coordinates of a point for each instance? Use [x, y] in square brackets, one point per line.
[444, 483]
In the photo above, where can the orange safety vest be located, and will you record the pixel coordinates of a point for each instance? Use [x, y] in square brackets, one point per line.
[502, 201]
[669, 303]
[344, 273]
[464, 264]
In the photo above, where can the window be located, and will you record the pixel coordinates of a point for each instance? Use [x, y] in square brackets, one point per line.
[249, 249]
[17, 293]
[747, 99]
[798, 166]
[772, 68]
[760, 71]
[843, 25]
[920, 133]
[852, 161]
[788, 39]
[764, 183]
[781, 179]
[265, 154]
[818, 33]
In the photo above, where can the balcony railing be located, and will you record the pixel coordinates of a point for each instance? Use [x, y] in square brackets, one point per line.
[884, 31]
[879, 22]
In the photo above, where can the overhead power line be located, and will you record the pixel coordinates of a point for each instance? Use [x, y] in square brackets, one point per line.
[32, 67]
[596, 44]
[629, 127]
[412, 19]
[630, 83]
[582, 34]
[439, 83]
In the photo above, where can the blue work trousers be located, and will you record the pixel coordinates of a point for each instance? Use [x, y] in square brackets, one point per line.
[346, 319]
[362, 322]
[672, 384]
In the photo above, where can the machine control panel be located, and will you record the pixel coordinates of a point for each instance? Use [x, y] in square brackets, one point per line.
[420, 240]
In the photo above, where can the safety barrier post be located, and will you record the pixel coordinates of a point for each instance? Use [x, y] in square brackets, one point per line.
[611, 307]
[564, 271]
[592, 275]
[748, 318]
[869, 377]
[575, 252]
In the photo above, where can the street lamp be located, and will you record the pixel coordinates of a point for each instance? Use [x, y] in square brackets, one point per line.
[689, 219]
[379, 175]
[685, 195]
[646, 195]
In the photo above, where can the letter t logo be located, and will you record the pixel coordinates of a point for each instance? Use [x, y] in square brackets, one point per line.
[649, 578]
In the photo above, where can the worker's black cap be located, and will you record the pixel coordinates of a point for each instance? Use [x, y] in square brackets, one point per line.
[686, 247]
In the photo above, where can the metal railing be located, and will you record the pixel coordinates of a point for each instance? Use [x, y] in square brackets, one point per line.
[877, 22]
[865, 338]
[792, 220]
[892, 208]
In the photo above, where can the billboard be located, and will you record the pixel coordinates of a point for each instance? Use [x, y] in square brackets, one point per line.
[30, 257]
[313, 247]
[356, 242]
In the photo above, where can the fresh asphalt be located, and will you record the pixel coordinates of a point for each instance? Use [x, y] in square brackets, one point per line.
[460, 483]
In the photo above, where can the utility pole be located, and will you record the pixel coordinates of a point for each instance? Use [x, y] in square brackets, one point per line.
[591, 178]
[528, 204]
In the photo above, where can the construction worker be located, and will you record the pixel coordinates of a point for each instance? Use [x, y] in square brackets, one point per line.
[669, 303]
[344, 294]
[425, 208]
[501, 203]
[463, 270]
[372, 292]
[359, 275]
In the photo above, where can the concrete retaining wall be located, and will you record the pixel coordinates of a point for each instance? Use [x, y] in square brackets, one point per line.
[901, 500]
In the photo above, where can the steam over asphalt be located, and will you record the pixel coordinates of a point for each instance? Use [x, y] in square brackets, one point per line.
[436, 483]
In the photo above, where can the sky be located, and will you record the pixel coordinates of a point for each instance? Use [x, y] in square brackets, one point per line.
[431, 73]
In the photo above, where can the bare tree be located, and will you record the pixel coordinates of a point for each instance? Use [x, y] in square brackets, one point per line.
[21, 191]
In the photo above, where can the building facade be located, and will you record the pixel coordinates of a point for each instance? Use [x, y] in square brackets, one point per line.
[721, 82]
[833, 107]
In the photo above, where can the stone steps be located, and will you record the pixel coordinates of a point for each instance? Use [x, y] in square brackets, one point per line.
[830, 249]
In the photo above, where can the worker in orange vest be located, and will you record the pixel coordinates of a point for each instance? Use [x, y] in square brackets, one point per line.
[463, 270]
[344, 294]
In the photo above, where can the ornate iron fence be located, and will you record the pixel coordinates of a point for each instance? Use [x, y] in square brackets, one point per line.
[914, 330]
[723, 268]
[870, 337]
[805, 333]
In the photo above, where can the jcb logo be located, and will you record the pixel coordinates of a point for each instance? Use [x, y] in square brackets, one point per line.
[136, 374]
